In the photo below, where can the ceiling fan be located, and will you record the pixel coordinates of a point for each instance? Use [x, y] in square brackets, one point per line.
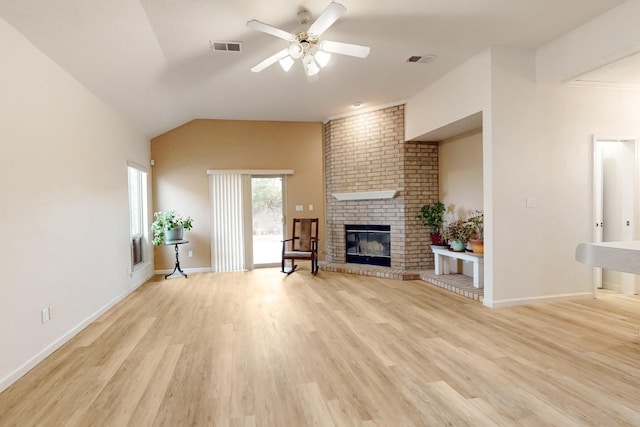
[306, 44]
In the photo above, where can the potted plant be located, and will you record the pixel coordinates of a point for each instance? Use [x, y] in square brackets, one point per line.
[431, 216]
[169, 226]
[477, 243]
[458, 233]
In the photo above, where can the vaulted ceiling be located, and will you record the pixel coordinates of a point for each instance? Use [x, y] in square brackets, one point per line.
[151, 59]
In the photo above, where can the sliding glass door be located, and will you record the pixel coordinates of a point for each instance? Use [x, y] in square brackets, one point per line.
[267, 204]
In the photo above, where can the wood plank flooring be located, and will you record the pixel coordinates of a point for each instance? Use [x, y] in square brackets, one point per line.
[265, 349]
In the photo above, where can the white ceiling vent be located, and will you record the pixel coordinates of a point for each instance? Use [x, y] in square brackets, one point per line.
[225, 46]
[422, 59]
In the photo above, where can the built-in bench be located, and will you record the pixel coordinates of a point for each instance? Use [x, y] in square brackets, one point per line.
[442, 264]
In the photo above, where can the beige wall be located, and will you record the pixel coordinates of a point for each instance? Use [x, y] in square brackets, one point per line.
[63, 170]
[183, 156]
[460, 173]
[460, 177]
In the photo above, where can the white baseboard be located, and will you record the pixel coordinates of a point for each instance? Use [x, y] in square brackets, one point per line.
[31, 363]
[186, 270]
[537, 300]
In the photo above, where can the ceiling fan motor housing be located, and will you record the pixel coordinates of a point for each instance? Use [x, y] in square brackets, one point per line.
[304, 17]
[303, 43]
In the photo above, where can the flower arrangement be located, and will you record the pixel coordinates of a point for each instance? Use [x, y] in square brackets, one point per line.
[167, 221]
[477, 219]
[459, 230]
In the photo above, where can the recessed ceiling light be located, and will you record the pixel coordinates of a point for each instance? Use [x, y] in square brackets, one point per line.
[356, 104]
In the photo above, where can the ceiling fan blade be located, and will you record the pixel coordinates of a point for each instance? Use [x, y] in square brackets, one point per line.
[266, 28]
[345, 49]
[327, 18]
[270, 60]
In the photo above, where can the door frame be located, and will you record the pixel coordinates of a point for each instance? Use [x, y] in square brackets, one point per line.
[598, 196]
[250, 215]
[246, 221]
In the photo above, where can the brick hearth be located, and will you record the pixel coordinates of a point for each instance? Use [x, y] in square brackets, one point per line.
[458, 283]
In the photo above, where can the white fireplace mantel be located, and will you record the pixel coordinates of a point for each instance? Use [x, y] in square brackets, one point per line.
[366, 195]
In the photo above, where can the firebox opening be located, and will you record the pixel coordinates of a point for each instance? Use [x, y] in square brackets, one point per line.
[368, 244]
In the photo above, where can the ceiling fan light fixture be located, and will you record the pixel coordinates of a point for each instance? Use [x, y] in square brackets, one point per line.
[305, 44]
[296, 50]
[310, 66]
[308, 58]
[286, 63]
[322, 58]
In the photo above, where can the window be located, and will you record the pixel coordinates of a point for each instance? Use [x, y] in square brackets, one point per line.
[137, 214]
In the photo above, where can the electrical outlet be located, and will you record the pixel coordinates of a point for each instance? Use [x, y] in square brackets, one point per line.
[50, 312]
[190, 254]
[44, 315]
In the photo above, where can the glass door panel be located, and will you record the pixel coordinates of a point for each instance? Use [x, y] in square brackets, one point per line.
[267, 218]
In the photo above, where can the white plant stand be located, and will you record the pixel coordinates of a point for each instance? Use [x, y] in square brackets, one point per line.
[442, 264]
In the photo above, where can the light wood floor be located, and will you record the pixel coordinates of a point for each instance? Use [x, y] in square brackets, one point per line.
[264, 349]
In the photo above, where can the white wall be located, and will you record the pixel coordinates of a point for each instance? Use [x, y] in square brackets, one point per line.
[459, 94]
[604, 39]
[536, 145]
[518, 162]
[572, 116]
[64, 209]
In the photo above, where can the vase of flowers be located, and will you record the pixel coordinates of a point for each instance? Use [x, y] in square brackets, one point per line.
[169, 226]
[431, 216]
[477, 242]
[458, 234]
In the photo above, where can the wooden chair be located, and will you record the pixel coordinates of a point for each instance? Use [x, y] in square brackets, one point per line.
[303, 244]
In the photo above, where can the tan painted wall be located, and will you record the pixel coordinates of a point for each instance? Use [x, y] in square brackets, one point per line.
[183, 156]
[460, 179]
[460, 169]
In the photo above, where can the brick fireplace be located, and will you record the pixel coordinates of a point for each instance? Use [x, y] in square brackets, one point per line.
[368, 244]
[366, 161]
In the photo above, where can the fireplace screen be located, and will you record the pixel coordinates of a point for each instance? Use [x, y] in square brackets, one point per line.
[368, 244]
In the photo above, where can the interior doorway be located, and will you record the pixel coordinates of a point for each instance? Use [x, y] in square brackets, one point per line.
[267, 207]
[615, 204]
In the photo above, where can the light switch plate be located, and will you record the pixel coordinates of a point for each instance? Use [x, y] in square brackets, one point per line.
[299, 208]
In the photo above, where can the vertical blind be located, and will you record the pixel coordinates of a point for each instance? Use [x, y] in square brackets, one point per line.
[227, 225]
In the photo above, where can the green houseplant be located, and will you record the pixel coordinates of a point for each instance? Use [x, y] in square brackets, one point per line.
[169, 225]
[477, 243]
[458, 234]
[431, 216]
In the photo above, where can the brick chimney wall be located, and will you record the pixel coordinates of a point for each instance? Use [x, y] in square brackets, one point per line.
[367, 152]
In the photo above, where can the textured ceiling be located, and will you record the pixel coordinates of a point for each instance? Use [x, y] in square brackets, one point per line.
[150, 59]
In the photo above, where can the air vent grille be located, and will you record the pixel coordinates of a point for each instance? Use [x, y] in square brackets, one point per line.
[222, 46]
[421, 59]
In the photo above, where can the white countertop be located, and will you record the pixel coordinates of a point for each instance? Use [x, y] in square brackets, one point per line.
[619, 256]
